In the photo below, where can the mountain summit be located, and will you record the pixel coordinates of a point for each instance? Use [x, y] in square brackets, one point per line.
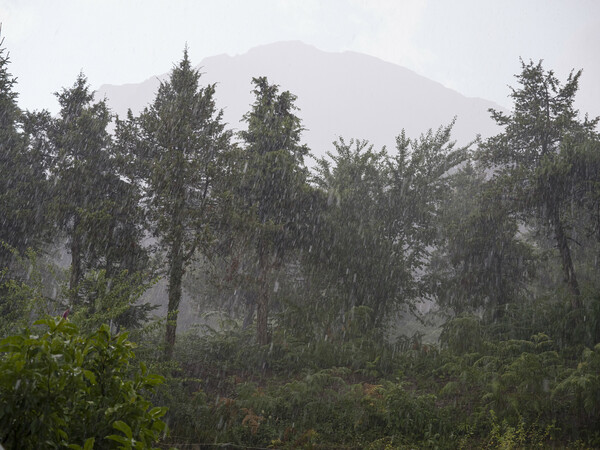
[347, 94]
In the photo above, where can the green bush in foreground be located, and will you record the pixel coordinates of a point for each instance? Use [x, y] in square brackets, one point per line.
[62, 389]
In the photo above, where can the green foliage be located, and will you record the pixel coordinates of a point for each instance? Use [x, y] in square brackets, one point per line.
[271, 196]
[61, 388]
[581, 391]
[535, 158]
[22, 298]
[323, 408]
[462, 334]
[113, 300]
[481, 262]
[504, 436]
[571, 330]
[23, 181]
[516, 380]
[376, 234]
[176, 144]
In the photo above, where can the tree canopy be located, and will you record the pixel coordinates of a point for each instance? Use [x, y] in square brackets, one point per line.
[427, 295]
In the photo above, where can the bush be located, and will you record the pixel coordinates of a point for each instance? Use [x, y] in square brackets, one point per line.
[62, 389]
[579, 396]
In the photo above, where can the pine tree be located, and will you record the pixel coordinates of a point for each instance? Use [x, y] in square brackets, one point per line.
[93, 204]
[80, 172]
[23, 186]
[272, 185]
[533, 158]
[180, 138]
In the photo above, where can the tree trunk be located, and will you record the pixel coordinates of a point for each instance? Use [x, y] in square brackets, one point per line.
[175, 278]
[262, 302]
[567, 262]
[76, 269]
[251, 303]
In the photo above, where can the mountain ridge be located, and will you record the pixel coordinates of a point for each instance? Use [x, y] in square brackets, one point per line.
[346, 94]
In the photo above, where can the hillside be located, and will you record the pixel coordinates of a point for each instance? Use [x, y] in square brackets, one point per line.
[339, 94]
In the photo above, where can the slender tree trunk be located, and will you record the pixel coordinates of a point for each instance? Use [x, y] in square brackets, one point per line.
[76, 269]
[567, 262]
[175, 278]
[498, 293]
[262, 301]
[251, 302]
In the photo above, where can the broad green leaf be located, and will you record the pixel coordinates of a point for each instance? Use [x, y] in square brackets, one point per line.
[120, 440]
[89, 444]
[124, 428]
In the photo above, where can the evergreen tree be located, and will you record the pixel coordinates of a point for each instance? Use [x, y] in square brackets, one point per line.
[93, 204]
[272, 187]
[23, 187]
[534, 156]
[180, 138]
[79, 144]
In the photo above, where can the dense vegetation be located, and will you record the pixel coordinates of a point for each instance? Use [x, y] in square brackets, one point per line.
[424, 296]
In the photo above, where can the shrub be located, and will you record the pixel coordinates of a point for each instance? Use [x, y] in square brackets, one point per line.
[62, 389]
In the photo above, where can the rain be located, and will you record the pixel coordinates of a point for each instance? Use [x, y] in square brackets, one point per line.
[282, 225]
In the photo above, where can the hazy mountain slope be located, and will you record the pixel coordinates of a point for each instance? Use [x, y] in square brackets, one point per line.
[348, 94]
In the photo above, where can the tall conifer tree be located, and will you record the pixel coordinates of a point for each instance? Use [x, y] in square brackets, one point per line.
[272, 184]
[23, 187]
[181, 137]
[533, 158]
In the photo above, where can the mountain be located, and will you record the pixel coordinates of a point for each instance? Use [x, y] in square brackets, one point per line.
[339, 94]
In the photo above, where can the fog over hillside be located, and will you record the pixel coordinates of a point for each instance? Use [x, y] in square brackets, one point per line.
[345, 94]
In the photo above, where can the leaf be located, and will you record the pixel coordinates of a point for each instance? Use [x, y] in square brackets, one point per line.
[89, 444]
[90, 376]
[157, 412]
[154, 379]
[11, 344]
[124, 428]
[120, 440]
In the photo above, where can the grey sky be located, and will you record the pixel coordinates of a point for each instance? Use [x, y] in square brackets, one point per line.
[472, 46]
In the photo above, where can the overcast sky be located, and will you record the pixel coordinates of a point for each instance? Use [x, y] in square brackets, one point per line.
[472, 46]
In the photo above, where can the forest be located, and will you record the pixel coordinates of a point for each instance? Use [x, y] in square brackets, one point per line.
[425, 296]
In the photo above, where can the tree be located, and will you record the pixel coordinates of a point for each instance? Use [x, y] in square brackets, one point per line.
[380, 226]
[180, 138]
[272, 186]
[533, 158]
[79, 144]
[480, 261]
[92, 203]
[23, 186]
[420, 178]
[353, 259]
